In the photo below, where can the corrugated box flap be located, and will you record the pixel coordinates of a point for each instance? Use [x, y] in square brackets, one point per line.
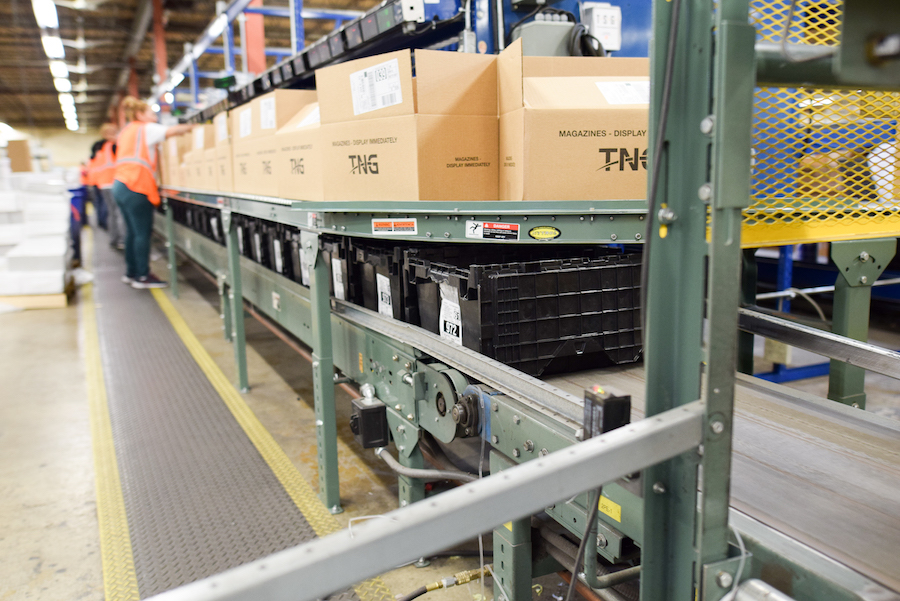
[586, 92]
[307, 118]
[452, 83]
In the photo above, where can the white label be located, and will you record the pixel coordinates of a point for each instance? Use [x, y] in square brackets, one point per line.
[450, 321]
[310, 119]
[338, 278]
[258, 246]
[605, 24]
[198, 138]
[276, 301]
[625, 92]
[267, 113]
[173, 149]
[395, 227]
[221, 130]
[240, 232]
[385, 304]
[304, 268]
[311, 219]
[279, 261]
[376, 88]
[245, 123]
[214, 224]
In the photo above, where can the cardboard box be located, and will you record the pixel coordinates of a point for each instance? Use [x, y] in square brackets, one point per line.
[209, 166]
[222, 126]
[388, 136]
[254, 166]
[224, 168]
[266, 114]
[19, 153]
[203, 136]
[298, 162]
[572, 128]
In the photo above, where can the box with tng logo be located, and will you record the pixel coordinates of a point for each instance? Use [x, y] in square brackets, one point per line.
[572, 128]
[387, 135]
[298, 160]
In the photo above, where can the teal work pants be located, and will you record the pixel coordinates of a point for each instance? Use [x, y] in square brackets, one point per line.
[138, 213]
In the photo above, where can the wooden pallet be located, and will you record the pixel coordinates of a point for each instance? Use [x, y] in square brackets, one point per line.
[36, 301]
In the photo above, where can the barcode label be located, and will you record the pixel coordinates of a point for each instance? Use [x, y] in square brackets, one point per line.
[385, 304]
[279, 261]
[376, 88]
[337, 277]
[245, 123]
[198, 138]
[267, 113]
[221, 130]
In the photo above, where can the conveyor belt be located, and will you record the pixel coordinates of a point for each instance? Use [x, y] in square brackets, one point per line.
[199, 496]
[822, 473]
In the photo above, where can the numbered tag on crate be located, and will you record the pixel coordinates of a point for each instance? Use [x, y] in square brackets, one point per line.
[304, 267]
[257, 246]
[450, 321]
[338, 278]
[240, 237]
[385, 304]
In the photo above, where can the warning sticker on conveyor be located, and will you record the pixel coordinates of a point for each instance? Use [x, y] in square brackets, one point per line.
[486, 230]
[395, 227]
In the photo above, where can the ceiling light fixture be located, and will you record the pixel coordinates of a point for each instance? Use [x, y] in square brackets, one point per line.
[72, 125]
[155, 107]
[53, 46]
[65, 99]
[62, 85]
[169, 97]
[45, 14]
[59, 69]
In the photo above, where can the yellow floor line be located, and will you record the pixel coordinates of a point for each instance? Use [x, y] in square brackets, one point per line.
[119, 577]
[293, 482]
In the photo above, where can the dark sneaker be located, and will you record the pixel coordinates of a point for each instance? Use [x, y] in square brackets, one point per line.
[148, 281]
[127, 280]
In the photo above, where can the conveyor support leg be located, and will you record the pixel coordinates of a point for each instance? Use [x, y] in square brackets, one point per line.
[411, 489]
[860, 263]
[512, 551]
[236, 300]
[749, 274]
[170, 247]
[323, 374]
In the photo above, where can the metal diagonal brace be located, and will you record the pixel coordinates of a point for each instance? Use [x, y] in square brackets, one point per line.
[316, 569]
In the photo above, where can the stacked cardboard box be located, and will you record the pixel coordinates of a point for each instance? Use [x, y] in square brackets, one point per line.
[572, 128]
[389, 136]
[254, 147]
[298, 161]
[224, 180]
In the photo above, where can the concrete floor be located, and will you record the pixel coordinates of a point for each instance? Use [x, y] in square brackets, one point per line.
[49, 545]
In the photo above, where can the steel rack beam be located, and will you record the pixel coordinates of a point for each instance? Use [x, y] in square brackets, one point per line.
[317, 569]
[833, 346]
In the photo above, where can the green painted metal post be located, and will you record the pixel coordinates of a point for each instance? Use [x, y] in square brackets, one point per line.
[512, 550]
[411, 490]
[323, 373]
[860, 263]
[236, 300]
[677, 246]
[170, 248]
[749, 277]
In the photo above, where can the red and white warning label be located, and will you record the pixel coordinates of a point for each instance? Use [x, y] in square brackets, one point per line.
[395, 227]
[486, 230]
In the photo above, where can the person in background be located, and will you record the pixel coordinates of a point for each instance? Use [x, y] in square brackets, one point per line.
[93, 191]
[84, 192]
[135, 188]
[104, 175]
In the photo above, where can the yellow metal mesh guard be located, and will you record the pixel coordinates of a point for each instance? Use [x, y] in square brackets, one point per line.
[823, 159]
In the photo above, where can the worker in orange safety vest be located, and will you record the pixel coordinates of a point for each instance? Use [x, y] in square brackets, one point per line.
[135, 188]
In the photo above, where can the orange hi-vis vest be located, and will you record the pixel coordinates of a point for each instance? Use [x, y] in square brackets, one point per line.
[92, 170]
[105, 172]
[84, 175]
[134, 166]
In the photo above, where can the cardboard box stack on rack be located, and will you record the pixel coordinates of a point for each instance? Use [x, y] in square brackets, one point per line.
[461, 127]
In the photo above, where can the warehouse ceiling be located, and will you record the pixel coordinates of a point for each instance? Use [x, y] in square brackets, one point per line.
[97, 35]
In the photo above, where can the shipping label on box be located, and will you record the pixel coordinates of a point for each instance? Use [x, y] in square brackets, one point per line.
[222, 125]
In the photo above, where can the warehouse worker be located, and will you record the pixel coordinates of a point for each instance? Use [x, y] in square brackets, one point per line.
[135, 187]
[93, 190]
[105, 171]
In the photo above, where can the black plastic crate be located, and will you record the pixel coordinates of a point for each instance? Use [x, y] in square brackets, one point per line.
[280, 249]
[241, 225]
[379, 271]
[299, 267]
[538, 316]
[336, 254]
[260, 233]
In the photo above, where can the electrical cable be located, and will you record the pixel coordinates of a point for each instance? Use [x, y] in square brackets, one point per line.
[423, 474]
[786, 33]
[580, 42]
[593, 501]
[657, 158]
[463, 577]
[810, 300]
